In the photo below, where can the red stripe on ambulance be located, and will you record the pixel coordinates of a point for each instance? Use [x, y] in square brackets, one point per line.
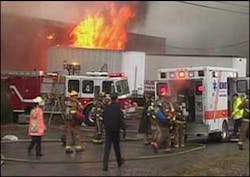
[216, 114]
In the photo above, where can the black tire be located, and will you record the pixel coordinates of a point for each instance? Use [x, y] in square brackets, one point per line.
[86, 112]
[224, 135]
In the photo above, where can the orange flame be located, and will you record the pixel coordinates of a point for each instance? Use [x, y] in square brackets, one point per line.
[103, 32]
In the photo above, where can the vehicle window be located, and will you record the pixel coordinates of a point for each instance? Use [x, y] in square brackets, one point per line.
[107, 86]
[87, 86]
[122, 87]
[241, 86]
[73, 85]
[162, 88]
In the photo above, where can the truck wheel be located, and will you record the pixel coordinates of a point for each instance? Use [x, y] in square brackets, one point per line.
[87, 120]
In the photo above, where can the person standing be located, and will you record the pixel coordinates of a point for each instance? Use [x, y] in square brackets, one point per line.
[236, 114]
[97, 114]
[179, 126]
[244, 129]
[36, 126]
[73, 123]
[145, 124]
[113, 122]
[164, 114]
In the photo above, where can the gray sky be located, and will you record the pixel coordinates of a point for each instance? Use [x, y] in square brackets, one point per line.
[212, 28]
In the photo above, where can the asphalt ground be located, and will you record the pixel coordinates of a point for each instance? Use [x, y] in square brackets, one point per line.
[140, 160]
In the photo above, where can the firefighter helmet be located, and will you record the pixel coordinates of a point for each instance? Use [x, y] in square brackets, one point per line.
[39, 100]
[73, 93]
[102, 94]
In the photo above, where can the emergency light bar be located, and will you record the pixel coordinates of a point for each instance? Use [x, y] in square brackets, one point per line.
[116, 74]
[191, 74]
[181, 74]
[97, 73]
[172, 74]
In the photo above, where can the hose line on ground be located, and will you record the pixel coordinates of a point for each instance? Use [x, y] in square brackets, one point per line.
[144, 157]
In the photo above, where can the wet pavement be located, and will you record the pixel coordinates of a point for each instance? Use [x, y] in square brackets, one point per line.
[139, 159]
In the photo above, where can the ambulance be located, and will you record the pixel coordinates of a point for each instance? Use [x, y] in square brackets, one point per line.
[207, 95]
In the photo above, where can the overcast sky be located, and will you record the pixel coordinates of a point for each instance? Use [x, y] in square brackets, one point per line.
[202, 27]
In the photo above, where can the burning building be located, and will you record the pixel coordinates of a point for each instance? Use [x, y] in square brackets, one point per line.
[25, 40]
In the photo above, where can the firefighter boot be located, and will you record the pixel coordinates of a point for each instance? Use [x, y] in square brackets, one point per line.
[167, 150]
[155, 147]
[79, 148]
[68, 149]
[240, 145]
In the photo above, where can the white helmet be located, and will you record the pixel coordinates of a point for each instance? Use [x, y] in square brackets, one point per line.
[39, 100]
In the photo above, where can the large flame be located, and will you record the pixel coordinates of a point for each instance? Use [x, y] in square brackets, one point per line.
[103, 30]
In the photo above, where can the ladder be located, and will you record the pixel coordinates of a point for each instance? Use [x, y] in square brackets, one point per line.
[56, 95]
[56, 109]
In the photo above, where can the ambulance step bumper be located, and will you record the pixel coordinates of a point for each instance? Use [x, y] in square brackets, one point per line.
[196, 130]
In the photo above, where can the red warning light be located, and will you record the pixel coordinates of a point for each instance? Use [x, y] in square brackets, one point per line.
[162, 88]
[116, 74]
[200, 88]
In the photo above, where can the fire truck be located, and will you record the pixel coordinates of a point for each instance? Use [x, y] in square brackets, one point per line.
[26, 85]
[207, 93]
[93, 83]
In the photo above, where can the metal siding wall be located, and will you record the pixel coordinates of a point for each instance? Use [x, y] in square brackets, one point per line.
[89, 60]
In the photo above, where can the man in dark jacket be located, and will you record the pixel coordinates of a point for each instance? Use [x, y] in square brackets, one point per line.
[113, 122]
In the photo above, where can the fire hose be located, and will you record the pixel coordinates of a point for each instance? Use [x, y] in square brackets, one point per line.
[196, 147]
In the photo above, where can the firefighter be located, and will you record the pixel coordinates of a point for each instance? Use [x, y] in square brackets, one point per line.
[37, 126]
[244, 129]
[73, 123]
[153, 120]
[236, 114]
[145, 124]
[97, 115]
[179, 125]
[164, 114]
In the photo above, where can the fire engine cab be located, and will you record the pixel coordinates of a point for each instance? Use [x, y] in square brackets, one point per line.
[207, 95]
[93, 83]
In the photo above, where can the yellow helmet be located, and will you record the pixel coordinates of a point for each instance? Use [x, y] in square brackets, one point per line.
[73, 93]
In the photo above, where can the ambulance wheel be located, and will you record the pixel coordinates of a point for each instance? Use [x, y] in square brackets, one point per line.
[87, 120]
[224, 135]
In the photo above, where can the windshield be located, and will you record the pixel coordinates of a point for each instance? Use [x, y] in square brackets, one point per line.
[122, 87]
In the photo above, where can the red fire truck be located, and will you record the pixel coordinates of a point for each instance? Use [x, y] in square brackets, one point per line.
[26, 85]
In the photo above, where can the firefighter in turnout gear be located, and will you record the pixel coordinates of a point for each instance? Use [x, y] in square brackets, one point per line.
[97, 116]
[244, 129]
[73, 123]
[179, 121]
[153, 121]
[164, 114]
[145, 123]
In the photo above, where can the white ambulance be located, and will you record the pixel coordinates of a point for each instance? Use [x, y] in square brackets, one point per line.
[207, 95]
